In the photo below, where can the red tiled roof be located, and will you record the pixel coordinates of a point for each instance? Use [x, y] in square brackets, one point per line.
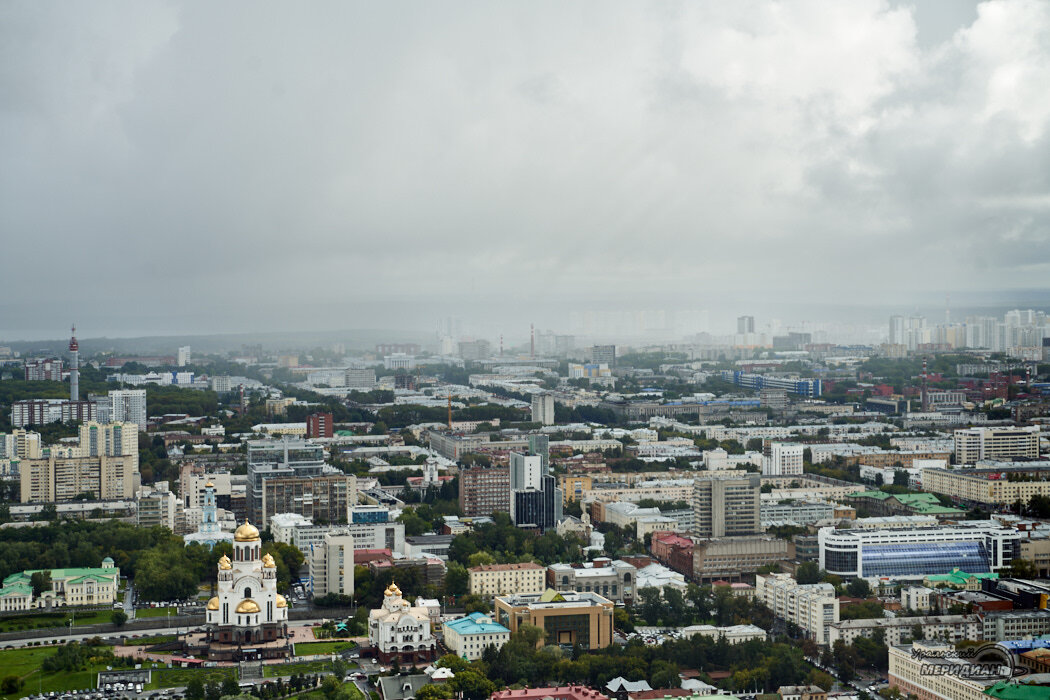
[658, 693]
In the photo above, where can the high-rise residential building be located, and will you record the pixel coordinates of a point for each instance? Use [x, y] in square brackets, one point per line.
[897, 328]
[363, 378]
[290, 476]
[108, 439]
[56, 479]
[727, 505]
[14, 447]
[604, 355]
[183, 357]
[1003, 443]
[782, 459]
[543, 409]
[43, 411]
[332, 564]
[813, 607]
[535, 499]
[44, 370]
[324, 498]
[484, 490]
[745, 324]
[128, 406]
[319, 425]
[20, 444]
[104, 464]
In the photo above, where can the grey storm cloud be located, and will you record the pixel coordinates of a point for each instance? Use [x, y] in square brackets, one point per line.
[230, 162]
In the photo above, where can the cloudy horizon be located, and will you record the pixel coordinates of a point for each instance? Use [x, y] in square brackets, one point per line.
[188, 167]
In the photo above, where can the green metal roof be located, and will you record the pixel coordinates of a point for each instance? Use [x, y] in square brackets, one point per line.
[958, 576]
[72, 575]
[1018, 691]
[881, 495]
[17, 589]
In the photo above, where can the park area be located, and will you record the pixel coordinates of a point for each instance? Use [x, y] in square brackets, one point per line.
[24, 665]
[330, 647]
[45, 620]
[176, 677]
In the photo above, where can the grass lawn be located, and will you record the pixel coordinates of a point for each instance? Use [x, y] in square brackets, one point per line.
[149, 641]
[172, 677]
[315, 694]
[307, 667]
[155, 612]
[25, 663]
[55, 619]
[311, 648]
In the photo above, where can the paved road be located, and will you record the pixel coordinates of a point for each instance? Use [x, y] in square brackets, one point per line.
[65, 636]
[129, 601]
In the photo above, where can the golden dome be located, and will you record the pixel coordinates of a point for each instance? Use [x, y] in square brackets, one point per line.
[281, 601]
[392, 590]
[209, 485]
[268, 561]
[247, 606]
[225, 563]
[213, 604]
[246, 533]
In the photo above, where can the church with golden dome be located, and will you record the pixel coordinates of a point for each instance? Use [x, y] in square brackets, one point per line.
[248, 619]
[400, 631]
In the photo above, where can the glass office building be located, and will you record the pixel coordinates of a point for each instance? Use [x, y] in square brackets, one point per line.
[976, 546]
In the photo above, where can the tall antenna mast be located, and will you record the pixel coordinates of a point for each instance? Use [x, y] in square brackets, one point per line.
[925, 388]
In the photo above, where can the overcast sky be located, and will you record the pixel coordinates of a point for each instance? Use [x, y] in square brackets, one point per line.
[198, 167]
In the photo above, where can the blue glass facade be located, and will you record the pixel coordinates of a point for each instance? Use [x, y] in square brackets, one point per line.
[371, 516]
[921, 559]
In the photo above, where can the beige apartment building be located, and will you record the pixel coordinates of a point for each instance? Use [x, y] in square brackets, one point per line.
[507, 579]
[56, 479]
[664, 492]
[813, 607]
[984, 486]
[1005, 443]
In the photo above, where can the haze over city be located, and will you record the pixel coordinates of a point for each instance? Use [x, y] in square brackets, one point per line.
[180, 168]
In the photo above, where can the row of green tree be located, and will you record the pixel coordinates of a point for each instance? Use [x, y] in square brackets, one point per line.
[522, 663]
[162, 567]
